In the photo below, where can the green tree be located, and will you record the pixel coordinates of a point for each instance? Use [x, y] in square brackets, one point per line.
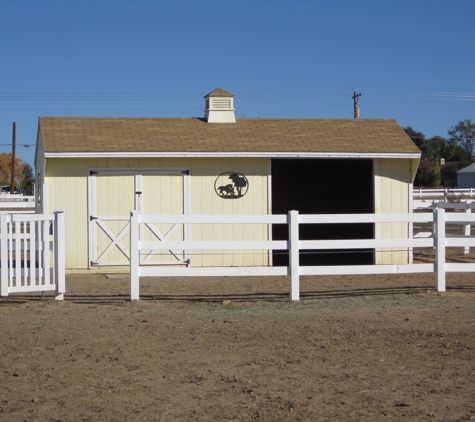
[448, 176]
[437, 174]
[464, 134]
[452, 151]
[27, 180]
[429, 173]
[417, 137]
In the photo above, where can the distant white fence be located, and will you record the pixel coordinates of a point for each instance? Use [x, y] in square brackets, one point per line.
[465, 206]
[20, 203]
[447, 194]
[438, 240]
[32, 257]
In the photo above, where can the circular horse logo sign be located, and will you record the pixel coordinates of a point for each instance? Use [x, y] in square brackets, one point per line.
[231, 185]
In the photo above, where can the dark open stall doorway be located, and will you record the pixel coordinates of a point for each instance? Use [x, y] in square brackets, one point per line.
[324, 186]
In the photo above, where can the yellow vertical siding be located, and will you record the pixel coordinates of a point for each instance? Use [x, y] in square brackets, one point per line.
[392, 179]
[205, 201]
[67, 181]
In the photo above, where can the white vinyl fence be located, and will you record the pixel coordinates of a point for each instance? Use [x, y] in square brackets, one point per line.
[17, 203]
[430, 204]
[438, 240]
[446, 194]
[465, 206]
[425, 198]
[32, 257]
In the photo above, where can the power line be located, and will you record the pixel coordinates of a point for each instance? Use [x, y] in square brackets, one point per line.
[181, 95]
[18, 145]
[241, 107]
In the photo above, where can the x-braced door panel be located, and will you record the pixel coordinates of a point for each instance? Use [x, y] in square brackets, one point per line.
[116, 192]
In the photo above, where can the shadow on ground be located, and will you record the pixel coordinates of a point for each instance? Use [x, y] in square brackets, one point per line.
[105, 299]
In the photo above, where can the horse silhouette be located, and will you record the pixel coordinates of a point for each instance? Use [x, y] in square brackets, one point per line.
[226, 190]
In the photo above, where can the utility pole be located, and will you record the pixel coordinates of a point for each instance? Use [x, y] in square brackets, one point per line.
[356, 110]
[12, 186]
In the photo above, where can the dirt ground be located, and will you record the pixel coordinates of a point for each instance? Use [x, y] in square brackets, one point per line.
[355, 348]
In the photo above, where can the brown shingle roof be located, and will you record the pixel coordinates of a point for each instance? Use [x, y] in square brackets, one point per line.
[219, 92]
[93, 134]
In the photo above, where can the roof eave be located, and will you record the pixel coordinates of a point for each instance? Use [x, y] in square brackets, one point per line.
[296, 154]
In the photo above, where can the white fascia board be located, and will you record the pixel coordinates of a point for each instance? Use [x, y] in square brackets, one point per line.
[230, 155]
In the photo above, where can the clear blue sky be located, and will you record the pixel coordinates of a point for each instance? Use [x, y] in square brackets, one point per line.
[413, 60]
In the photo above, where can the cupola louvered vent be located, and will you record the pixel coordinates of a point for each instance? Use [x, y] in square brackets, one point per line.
[219, 107]
[221, 103]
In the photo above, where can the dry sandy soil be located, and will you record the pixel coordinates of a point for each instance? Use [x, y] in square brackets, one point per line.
[355, 348]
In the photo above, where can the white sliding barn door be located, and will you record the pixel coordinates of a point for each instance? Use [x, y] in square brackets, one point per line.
[113, 193]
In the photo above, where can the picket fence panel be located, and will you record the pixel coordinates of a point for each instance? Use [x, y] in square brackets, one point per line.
[32, 257]
[438, 240]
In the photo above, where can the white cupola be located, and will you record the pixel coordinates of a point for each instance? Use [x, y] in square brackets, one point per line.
[219, 107]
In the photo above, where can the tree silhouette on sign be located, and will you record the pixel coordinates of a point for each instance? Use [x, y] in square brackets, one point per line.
[239, 182]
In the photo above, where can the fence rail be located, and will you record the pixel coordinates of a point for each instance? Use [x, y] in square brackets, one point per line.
[446, 193]
[428, 204]
[438, 240]
[17, 203]
[32, 255]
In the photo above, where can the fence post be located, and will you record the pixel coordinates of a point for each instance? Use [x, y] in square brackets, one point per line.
[134, 256]
[294, 255]
[59, 255]
[467, 231]
[439, 215]
[4, 255]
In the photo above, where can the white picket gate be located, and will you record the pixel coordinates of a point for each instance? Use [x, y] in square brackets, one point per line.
[438, 240]
[32, 257]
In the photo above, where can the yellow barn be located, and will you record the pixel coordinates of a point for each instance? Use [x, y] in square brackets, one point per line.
[99, 169]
